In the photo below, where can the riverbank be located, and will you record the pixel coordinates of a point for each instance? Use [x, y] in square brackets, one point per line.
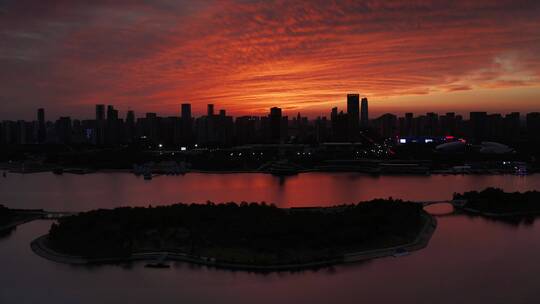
[14, 224]
[78, 171]
[41, 247]
[495, 203]
[11, 218]
[501, 215]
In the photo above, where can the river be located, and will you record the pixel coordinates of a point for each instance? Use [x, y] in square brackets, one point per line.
[469, 259]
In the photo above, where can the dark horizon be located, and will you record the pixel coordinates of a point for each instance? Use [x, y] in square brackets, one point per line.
[289, 113]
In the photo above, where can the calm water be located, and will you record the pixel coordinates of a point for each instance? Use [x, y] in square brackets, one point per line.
[469, 260]
[107, 190]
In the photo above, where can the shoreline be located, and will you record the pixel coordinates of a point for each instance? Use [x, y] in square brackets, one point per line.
[492, 215]
[39, 246]
[14, 224]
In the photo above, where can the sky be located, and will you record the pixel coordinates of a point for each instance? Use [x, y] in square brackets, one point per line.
[248, 55]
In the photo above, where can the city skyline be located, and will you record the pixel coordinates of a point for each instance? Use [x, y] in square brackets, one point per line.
[198, 110]
[245, 57]
[211, 109]
[109, 127]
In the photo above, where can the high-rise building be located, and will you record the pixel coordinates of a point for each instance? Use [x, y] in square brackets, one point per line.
[246, 129]
[275, 118]
[512, 126]
[41, 132]
[63, 130]
[100, 125]
[409, 125]
[130, 127]
[22, 134]
[150, 127]
[100, 112]
[494, 127]
[112, 130]
[112, 114]
[478, 127]
[339, 123]
[210, 110]
[353, 113]
[431, 127]
[186, 131]
[186, 111]
[387, 125]
[533, 126]
[364, 118]
[130, 117]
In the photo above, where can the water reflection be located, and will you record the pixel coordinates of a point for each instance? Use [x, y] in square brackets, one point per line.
[108, 190]
[443, 209]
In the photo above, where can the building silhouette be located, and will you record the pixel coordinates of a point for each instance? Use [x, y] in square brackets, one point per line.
[364, 120]
[222, 130]
[41, 129]
[353, 114]
[186, 132]
[100, 125]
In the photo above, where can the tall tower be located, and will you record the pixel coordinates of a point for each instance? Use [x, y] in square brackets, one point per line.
[210, 110]
[275, 118]
[353, 115]
[365, 114]
[353, 106]
[186, 111]
[100, 112]
[100, 125]
[129, 127]
[186, 122]
[41, 125]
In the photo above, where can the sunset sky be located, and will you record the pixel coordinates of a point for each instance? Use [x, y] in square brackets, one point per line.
[248, 55]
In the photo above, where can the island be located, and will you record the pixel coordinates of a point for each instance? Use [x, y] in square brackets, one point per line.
[494, 202]
[253, 236]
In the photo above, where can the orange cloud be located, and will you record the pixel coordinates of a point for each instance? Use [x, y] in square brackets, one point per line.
[249, 55]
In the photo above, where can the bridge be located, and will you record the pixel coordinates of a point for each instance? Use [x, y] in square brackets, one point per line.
[45, 215]
[455, 203]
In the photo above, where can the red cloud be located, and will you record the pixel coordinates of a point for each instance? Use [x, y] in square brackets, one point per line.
[249, 55]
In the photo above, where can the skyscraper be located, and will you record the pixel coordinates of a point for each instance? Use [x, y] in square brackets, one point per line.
[130, 126]
[353, 113]
[210, 110]
[41, 133]
[63, 130]
[275, 124]
[100, 112]
[100, 125]
[478, 127]
[112, 114]
[364, 119]
[353, 104]
[186, 111]
[533, 126]
[112, 128]
[409, 128]
[512, 126]
[186, 132]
